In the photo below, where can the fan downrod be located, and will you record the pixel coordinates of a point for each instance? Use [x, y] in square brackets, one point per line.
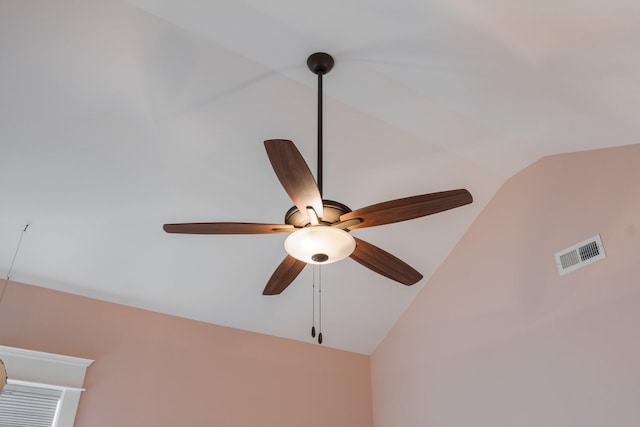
[320, 63]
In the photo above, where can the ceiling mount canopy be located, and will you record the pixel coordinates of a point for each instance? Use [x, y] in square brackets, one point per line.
[320, 229]
[320, 63]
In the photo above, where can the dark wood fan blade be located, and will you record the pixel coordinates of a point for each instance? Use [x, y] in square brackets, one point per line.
[286, 272]
[384, 263]
[408, 208]
[227, 228]
[294, 175]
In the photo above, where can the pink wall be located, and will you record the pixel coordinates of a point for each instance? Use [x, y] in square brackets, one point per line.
[497, 338]
[156, 370]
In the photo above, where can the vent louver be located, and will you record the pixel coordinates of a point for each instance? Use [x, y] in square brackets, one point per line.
[580, 255]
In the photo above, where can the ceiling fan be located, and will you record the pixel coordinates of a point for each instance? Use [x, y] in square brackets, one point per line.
[318, 228]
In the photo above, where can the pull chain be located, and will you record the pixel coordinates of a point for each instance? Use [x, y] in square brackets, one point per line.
[320, 303]
[313, 304]
[317, 272]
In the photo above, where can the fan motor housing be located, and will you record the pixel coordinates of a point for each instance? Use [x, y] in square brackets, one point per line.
[332, 212]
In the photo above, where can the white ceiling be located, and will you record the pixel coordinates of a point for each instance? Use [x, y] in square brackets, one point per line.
[117, 117]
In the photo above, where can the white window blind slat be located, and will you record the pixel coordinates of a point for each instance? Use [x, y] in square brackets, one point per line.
[28, 406]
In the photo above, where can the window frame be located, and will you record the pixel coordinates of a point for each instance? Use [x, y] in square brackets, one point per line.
[48, 370]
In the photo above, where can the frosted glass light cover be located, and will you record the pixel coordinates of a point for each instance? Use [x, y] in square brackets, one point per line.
[310, 243]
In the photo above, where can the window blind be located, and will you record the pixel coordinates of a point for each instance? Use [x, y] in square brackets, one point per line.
[28, 406]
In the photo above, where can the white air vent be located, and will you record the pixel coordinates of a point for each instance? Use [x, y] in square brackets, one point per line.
[580, 255]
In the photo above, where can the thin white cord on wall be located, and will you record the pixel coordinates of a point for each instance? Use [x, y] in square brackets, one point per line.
[15, 255]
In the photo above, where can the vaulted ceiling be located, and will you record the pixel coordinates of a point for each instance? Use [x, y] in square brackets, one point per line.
[117, 117]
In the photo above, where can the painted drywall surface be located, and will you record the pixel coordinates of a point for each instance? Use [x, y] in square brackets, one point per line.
[498, 338]
[156, 370]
